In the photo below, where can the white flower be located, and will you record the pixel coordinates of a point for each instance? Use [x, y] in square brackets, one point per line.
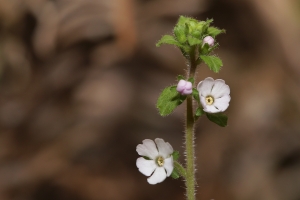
[160, 164]
[214, 95]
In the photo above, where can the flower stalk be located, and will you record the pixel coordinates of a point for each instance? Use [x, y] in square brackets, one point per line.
[190, 136]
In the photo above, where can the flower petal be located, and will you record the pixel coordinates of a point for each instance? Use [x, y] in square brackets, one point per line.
[181, 85]
[211, 109]
[148, 149]
[205, 86]
[222, 103]
[164, 148]
[146, 167]
[188, 85]
[158, 176]
[169, 165]
[220, 89]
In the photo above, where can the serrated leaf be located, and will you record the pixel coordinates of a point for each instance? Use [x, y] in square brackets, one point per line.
[213, 31]
[175, 155]
[180, 33]
[168, 39]
[206, 25]
[214, 63]
[196, 95]
[218, 118]
[182, 20]
[193, 41]
[168, 100]
[175, 174]
[180, 77]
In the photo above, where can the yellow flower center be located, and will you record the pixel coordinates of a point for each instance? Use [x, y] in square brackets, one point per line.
[209, 100]
[160, 161]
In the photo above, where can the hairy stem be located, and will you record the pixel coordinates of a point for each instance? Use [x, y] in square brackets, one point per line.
[189, 136]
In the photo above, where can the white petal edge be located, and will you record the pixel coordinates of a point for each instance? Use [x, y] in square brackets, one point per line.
[220, 89]
[164, 148]
[169, 165]
[158, 176]
[146, 167]
[205, 86]
[222, 103]
[203, 102]
[148, 148]
[211, 109]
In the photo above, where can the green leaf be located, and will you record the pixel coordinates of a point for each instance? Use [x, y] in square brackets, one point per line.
[168, 39]
[178, 170]
[213, 31]
[204, 50]
[180, 33]
[193, 41]
[192, 80]
[180, 77]
[175, 174]
[218, 118]
[175, 155]
[147, 158]
[168, 100]
[196, 95]
[214, 63]
[199, 112]
[207, 24]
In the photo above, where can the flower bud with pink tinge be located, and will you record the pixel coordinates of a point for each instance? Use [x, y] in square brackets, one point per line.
[209, 40]
[184, 87]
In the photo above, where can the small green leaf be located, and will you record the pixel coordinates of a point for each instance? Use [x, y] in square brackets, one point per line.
[175, 174]
[180, 77]
[199, 112]
[213, 31]
[175, 155]
[192, 80]
[206, 25]
[214, 63]
[193, 41]
[204, 50]
[218, 118]
[178, 170]
[168, 39]
[168, 100]
[147, 158]
[196, 95]
[180, 33]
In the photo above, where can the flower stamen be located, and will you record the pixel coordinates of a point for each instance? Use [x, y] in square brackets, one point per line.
[209, 100]
[160, 161]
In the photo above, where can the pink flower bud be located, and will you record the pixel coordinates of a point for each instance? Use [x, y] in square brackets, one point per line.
[184, 87]
[209, 40]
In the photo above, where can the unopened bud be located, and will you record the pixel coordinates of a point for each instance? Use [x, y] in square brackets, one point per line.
[209, 40]
[184, 87]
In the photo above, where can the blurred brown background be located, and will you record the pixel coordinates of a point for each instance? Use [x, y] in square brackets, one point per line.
[78, 84]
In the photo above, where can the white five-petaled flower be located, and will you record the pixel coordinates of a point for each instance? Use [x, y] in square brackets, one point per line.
[184, 87]
[214, 95]
[160, 163]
